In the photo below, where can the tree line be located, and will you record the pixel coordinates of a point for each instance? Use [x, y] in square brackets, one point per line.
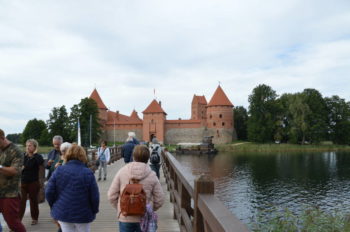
[297, 118]
[64, 124]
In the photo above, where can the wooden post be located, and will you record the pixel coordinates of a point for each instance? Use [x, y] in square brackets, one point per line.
[203, 184]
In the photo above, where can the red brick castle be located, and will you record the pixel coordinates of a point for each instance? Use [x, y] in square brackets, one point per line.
[207, 119]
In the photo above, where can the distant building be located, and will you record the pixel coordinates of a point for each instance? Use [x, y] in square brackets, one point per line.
[207, 119]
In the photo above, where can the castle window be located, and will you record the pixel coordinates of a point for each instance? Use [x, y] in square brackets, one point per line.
[220, 115]
[223, 124]
[210, 116]
[214, 124]
[152, 121]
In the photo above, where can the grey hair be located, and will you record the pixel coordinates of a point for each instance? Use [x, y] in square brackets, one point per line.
[35, 144]
[65, 146]
[58, 137]
[131, 134]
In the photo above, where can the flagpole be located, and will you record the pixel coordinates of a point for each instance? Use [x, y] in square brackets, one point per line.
[114, 131]
[79, 135]
[90, 128]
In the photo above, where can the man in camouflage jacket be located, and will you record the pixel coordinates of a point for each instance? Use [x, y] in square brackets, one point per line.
[11, 162]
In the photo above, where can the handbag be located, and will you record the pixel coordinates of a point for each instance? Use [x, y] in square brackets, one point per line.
[97, 163]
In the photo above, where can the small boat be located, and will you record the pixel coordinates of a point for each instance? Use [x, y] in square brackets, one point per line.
[206, 147]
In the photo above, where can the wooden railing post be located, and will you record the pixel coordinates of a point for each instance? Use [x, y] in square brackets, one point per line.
[203, 184]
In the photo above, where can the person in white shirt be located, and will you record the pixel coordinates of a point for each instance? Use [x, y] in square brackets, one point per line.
[104, 155]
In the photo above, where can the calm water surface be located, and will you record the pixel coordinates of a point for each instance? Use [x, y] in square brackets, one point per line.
[250, 183]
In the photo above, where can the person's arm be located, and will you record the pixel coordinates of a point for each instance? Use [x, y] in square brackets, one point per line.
[94, 193]
[158, 196]
[114, 191]
[8, 171]
[16, 166]
[48, 162]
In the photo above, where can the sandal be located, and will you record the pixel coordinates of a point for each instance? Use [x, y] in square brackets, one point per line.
[34, 222]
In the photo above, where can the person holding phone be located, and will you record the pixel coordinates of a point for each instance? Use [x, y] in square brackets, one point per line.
[54, 155]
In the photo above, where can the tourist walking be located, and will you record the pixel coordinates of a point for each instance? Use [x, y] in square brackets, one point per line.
[133, 136]
[11, 161]
[30, 180]
[72, 192]
[137, 170]
[127, 149]
[54, 155]
[155, 158]
[104, 156]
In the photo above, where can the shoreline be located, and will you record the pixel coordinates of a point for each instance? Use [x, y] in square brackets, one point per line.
[242, 146]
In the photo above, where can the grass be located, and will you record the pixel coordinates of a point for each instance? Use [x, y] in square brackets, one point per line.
[243, 146]
[311, 220]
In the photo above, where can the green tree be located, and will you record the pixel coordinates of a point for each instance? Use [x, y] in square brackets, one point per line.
[338, 120]
[316, 121]
[285, 116]
[84, 110]
[263, 111]
[33, 130]
[300, 111]
[240, 121]
[15, 138]
[58, 123]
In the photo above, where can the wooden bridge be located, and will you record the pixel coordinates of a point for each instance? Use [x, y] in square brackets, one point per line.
[190, 204]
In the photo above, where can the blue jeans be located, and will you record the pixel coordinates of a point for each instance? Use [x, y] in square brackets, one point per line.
[129, 227]
[155, 168]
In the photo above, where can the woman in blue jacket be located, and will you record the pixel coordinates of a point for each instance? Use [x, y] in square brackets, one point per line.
[72, 192]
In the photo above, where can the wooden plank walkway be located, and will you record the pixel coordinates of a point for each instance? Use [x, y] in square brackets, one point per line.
[106, 219]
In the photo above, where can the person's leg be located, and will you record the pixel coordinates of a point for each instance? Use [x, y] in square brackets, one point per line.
[82, 227]
[157, 170]
[105, 169]
[100, 171]
[67, 227]
[33, 189]
[10, 211]
[24, 193]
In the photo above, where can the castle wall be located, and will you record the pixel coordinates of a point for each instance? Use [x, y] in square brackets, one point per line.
[184, 135]
[221, 135]
[121, 132]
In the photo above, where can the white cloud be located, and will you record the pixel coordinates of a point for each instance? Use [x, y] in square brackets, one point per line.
[54, 53]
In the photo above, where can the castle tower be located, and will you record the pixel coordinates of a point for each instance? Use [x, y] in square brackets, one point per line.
[220, 117]
[102, 109]
[154, 122]
[198, 109]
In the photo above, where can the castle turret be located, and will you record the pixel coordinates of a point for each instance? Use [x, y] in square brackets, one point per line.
[220, 117]
[102, 109]
[154, 122]
[198, 109]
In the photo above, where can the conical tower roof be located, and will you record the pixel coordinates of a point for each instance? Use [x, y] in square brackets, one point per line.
[219, 98]
[154, 107]
[94, 95]
[134, 115]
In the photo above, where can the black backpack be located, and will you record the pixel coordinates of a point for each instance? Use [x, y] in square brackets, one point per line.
[155, 158]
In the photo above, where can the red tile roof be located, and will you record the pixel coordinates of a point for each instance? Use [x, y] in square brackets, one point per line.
[154, 107]
[94, 95]
[200, 99]
[219, 98]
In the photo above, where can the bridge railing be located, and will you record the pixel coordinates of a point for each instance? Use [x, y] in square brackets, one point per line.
[195, 206]
[92, 156]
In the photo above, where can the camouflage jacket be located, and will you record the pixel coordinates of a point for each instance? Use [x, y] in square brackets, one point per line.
[11, 156]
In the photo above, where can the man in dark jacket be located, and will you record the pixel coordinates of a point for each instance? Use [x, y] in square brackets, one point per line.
[127, 150]
[54, 155]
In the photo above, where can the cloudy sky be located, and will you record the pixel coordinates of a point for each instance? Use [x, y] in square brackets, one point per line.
[55, 53]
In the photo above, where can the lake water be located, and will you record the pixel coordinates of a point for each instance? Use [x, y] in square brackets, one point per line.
[248, 184]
